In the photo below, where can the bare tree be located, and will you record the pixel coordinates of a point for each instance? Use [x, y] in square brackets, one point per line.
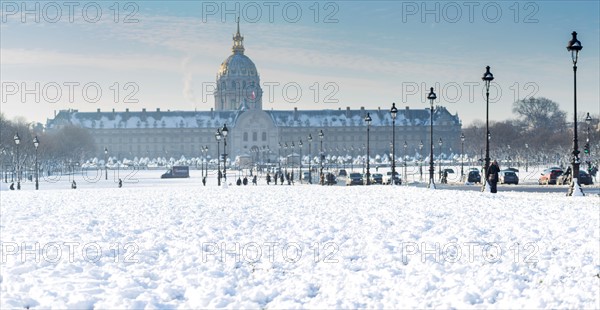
[538, 113]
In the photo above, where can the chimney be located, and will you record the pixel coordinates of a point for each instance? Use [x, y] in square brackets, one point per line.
[347, 111]
[126, 110]
[144, 110]
[98, 110]
[113, 110]
[157, 109]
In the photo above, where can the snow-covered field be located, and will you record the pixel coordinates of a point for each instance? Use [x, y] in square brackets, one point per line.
[176, 244]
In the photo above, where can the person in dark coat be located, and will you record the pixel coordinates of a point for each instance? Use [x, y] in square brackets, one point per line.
[492, 177]
[245, 181]
[12, 186]
[238, 182]
[204, 181]
[268, 179]
[74, 185]
[254, 180]
[281, 178]
[120, 183]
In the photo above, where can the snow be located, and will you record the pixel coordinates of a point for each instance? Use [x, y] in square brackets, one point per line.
[176, 244]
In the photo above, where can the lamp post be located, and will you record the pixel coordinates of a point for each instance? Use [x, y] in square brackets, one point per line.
[587, 149]
[285, 154]
[292, 150]
[574, 46]
[405, 158]
[526, 156]
[309, 158]
[218, 137]
[440, 158]
[488, 77]
[421, 161]
[393, 113]
[17, 142]
[321, 178]
[279, 156]
[368, 121]
[300, 162]
[106, 163]
[36, 143]
[462, 154]
[224, 132]
[431, 96]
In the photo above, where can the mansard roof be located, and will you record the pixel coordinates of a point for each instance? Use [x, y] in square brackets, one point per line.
[215, 119]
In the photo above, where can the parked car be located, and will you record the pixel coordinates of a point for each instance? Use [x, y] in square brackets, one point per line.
[387, 178]
[354, 179]
[376, 178]
[306, 176]
[474, 177]
[330, 179]
[549, 176]
[177, 172]
[584, 179]
[508, 177]
[342, 173]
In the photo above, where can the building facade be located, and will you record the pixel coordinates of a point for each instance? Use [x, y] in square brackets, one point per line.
[261, 135]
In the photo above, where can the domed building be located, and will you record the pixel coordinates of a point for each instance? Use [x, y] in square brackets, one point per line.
[257, 136]
[238, 81]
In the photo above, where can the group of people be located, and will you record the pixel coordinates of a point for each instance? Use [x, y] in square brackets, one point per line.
[281, 177]
[245, 181]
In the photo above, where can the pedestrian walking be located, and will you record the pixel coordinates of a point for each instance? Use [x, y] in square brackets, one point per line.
[74, 185]
[245, 181]
[254, 180]
[492, 176]
[120, 183]
[268, 179]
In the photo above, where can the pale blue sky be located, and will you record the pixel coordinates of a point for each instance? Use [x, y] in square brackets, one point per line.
[360, 53]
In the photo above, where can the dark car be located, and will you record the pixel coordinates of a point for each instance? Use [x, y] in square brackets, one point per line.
[550, 175]
[177, 172]
[397, 180]
[354, 179]
[508, 177]
[342, 173]
[474, 177]
[377, 178]
[584, 179]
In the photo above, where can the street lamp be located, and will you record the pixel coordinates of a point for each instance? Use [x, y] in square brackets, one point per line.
[431, 96]
[488, 77]
[300, 162]
[526, 156]
[574, 46]
[440, 160]
[420, 161]
[218, 137]
[285, 153]
[393, 113]
[405, 158]
[587, 148]
[309, 158]
[106, 163]
[36, 143]
[17, 142]
[224, 132]
[321, 177]
[368, 121]
[462, 154]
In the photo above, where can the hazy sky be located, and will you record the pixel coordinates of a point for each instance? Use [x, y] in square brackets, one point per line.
[310, 55]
